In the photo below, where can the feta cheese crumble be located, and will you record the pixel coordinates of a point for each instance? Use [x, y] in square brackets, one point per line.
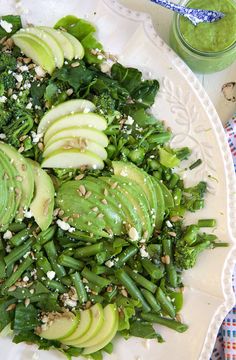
[7, 235]
[65, 226]
[51, 275]
[3, 99]
[6, 26]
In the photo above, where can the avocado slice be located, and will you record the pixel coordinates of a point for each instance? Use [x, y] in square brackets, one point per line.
[132, 218]
[81, 329]
[106, 206]
[160, 204]
[61, 110]
[63, 325]
[42, 205]
[168, 198]
[25, 173]
[134, 173]
[78, 209]
[91, 120]
[140, 202]
[94, 329]
[13, 188]
[106, 333]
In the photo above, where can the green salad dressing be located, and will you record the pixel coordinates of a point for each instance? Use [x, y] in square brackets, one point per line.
[211, 37]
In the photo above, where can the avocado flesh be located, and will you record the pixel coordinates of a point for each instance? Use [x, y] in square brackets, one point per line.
[167, 194]
[160, 204]
[137, 197]
[131, 171]
[25, 173]
[3, 189]
[132, 218]
[69, 200]
[13, 189]
[111, 213]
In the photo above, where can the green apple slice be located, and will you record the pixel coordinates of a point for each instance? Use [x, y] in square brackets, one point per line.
[72, 158]
[36, 49]
[75, 143]
[65, 44]
[78, 47]
[25, 174]
[50, 41]
[66, 108]
[90, 120]
[80, 132]
[106, 333]
[63, 325]
[94, 329]
[42, 205]
[82, 328]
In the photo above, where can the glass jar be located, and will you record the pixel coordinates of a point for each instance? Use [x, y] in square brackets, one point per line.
[200, 61]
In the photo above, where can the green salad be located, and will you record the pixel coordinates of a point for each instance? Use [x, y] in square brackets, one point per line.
[92, 237]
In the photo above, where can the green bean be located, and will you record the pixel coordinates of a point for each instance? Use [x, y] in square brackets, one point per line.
[141, 280]
[109, 296]
[154, 250]
[198, 204]
[158, 174]
[195, 164]
[128, 253]
[102, 257]
[70, 262]
[165, 303]
[90, 250]
[82, 236]
[172, 324]
[66, 280]
[137, 155]
[18, 252]
[99, 269]
[156, 272]
[169, 265]
[52, 257]
[206, 223]
[97, 280]
[95, 288]
[44, 264]
[55, 285]
[68, 252]
[159, 139]
[36, 248]
[20, 237]
[17, 274]
[79, 286]
[177, 196]
[173, 181]
[178, 300]
[132, 289]
[151, 300]
[191, 233]
[9, 270]
[183, 153]
[46, 235]
[15, 227]
[2, 266]
[96, 298]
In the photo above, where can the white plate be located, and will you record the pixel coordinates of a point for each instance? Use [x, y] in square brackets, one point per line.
[186, 108]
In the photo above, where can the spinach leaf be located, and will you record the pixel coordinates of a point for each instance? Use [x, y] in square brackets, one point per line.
[15, 20]
[142, 118]
[129, 78]
[26, 318]
[5, 317]
[146, 92]
[143, 330]
[31, 337]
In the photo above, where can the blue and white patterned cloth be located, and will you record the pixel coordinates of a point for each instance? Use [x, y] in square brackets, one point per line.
[225, 347]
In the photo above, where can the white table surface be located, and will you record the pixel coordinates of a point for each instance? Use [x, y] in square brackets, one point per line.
[212, 83]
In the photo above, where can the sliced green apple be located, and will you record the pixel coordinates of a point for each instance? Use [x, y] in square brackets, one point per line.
[43, 202]
[94, 329]
[90, 120]
[75, 143]
[66, 45]
[72, 158]
[62, 325]
[78, 47]
[80, 132]
[25, 175]
[49, 40]
[36, 49]
[66, 108]
[106, 333]
[82, 328]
